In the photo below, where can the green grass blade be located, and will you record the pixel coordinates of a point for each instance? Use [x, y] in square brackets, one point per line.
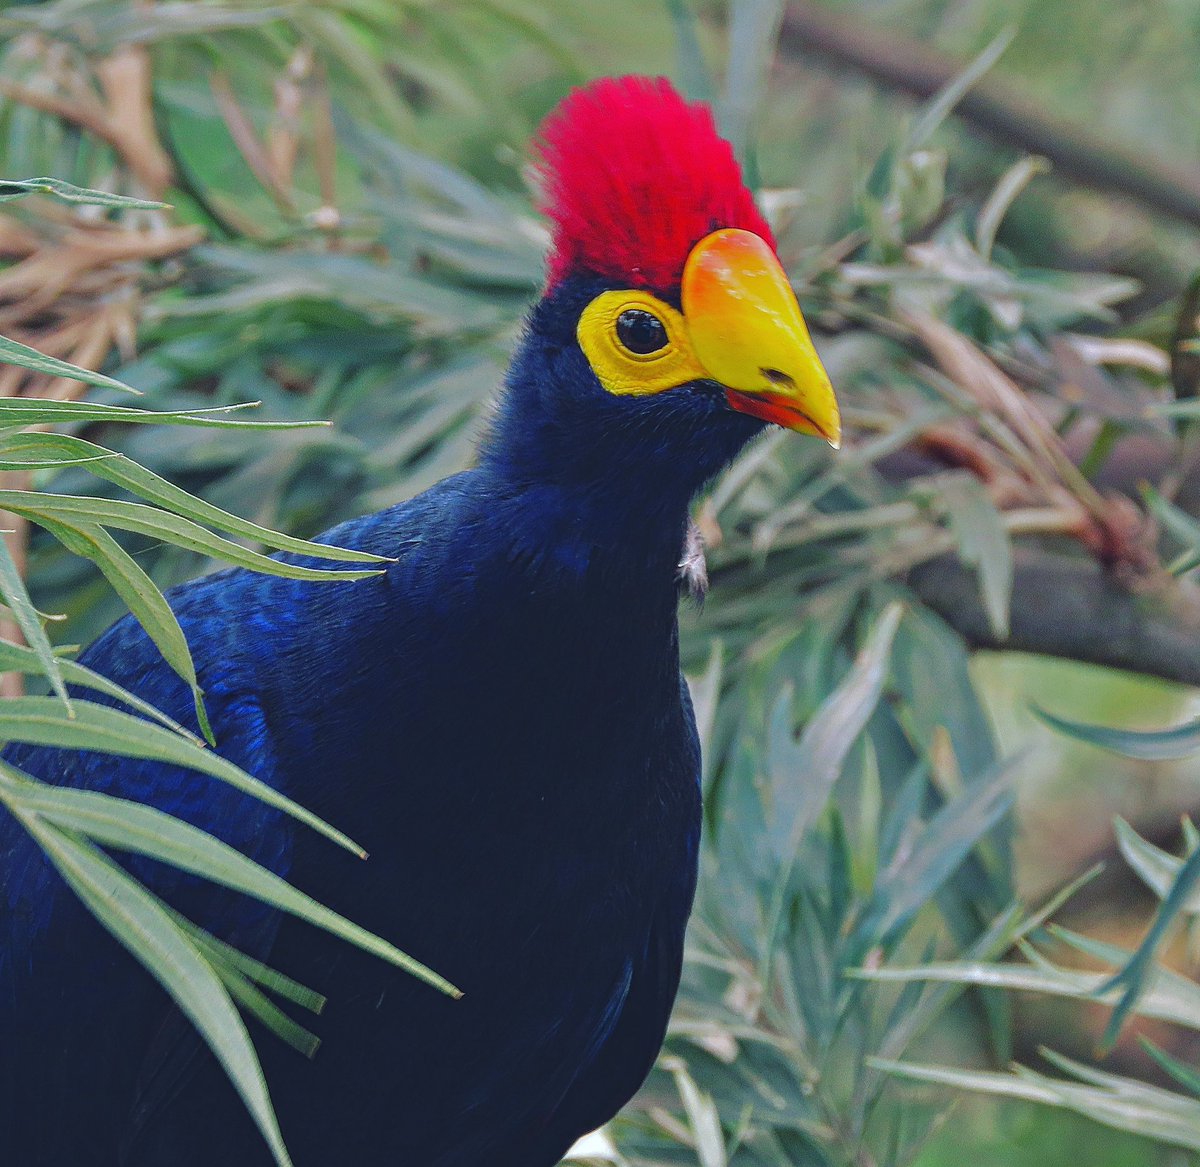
[147, 604]
[12, 588]
[132, 826]
[140, 921]
[1147, 745]
[13, 352]
[16, 658]
[118, 469]
[21, 411]
[90, 515]
[43, 721]
[19, 188]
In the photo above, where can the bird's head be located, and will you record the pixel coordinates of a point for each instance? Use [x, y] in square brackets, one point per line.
[668, 333]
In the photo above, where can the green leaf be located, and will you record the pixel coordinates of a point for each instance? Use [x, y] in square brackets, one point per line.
[943, 102]
[1132, 1106]
[12, 352]
[43, 721]
[1157, 869]
[752, 29]
[143, 599]
[938, 851]
[132, 826]
[12, 589]
[1176, 522]
[20, 411]
[19, 188]
[142, 923]
[802, 774]
[1140, 968]
[982, 541]
[694, 74]
[1150, 745]
[1166, 997]
[1185, 1075]
[16, 658]
[92, 514]
[1014, 180]
[118, 469]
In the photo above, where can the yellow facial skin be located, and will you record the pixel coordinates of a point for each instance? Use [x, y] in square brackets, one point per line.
[740, 326]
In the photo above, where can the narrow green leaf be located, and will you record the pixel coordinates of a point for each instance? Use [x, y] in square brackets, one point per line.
[132, 826]
[1187, 1076]
[1152, 745]
[1154, 1113]
[143, 599]
[752, 29]
[982, 542]
[1014, 180]
[938, 851]
[939, 107]
[1166, 998]
[19, 411]
[16, 658]
[1157, 869]
[118, 469]
[254, 970]
[802, 774]
[19, 188]
[43, 721]
[140, 921]
[12, 588]
[89, 515]
[1137, 973]
[12, 352]
[694, 74]
[1178, 523]
[255, 1002]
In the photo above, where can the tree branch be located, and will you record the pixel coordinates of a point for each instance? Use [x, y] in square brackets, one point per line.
[811, 30]
[1069, 606]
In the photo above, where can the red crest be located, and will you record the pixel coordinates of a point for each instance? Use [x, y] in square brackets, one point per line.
[633, 177]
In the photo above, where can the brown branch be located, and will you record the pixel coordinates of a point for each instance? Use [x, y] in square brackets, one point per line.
[1069, 606]
[811, 30]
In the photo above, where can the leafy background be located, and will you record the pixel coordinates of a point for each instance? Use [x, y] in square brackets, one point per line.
[989, 209]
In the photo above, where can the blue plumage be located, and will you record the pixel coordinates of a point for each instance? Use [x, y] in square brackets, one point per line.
[500, 720]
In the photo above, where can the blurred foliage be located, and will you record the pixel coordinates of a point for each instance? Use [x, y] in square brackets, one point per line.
[353, 239]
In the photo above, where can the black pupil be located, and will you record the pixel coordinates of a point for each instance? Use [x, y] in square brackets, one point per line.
[640, 331]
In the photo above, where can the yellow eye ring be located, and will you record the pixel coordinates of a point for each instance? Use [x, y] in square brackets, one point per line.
[621, 370]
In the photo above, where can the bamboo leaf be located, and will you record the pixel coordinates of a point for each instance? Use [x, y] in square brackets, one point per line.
[124, 472]
[19, 188]
[20, 411]
[143, 599]
[91, 515]
[943, 102]
[12, 589]
[142, 924]
[803, 773]
[13, 352]
[1149, 1111]
[43, 721]
[16, 658]
[1165, 997]
[132, 826]
[1157, 869]
[1139, 970]
[1151, 745]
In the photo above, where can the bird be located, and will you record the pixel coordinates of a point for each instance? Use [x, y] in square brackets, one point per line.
[499, 717]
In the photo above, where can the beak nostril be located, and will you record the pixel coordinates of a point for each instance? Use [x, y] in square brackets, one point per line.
[777, 377]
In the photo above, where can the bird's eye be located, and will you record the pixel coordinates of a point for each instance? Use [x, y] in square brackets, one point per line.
[641, 332]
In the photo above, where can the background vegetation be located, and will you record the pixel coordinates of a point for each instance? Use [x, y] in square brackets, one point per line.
[989, 208]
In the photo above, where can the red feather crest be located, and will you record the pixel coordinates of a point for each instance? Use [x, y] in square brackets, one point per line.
[633, 177]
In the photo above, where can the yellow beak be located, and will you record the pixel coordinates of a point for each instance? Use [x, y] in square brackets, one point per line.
[747, 331]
